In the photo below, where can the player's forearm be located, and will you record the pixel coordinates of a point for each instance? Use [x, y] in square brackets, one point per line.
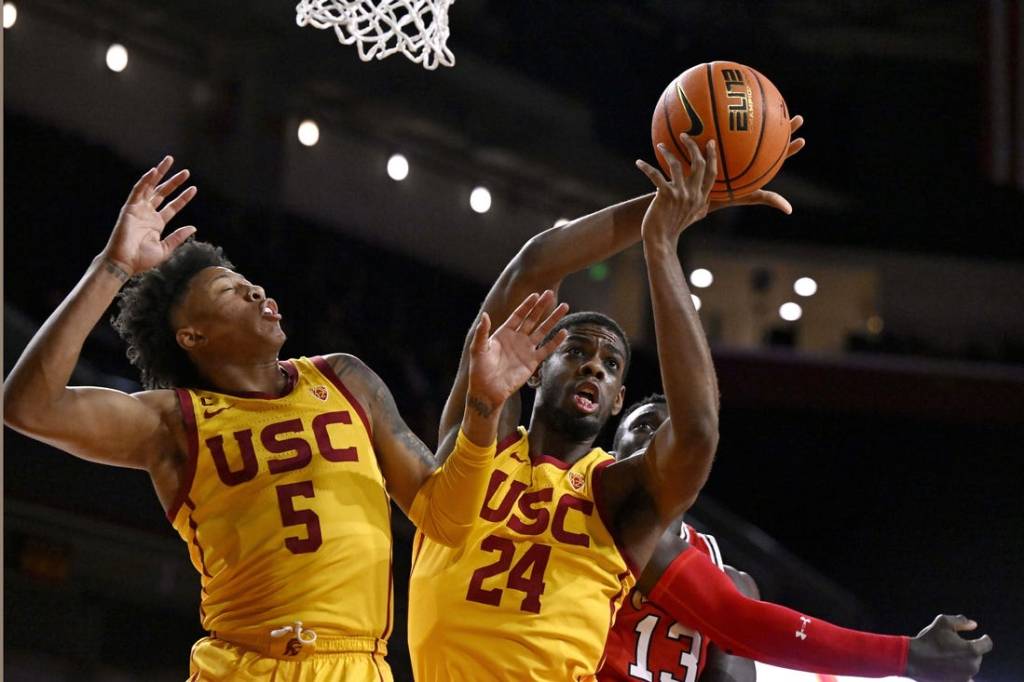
[687, 375]
[694, 592]
[448, 502]
[40, 377]
[556, 253]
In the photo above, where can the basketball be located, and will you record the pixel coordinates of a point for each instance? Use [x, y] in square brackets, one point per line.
[737, 107]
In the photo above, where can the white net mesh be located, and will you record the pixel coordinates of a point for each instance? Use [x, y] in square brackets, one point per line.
[380, 28]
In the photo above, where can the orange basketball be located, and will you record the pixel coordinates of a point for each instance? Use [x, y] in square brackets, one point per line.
[738, 108]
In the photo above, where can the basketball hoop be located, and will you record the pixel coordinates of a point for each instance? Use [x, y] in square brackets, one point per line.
[380, 28]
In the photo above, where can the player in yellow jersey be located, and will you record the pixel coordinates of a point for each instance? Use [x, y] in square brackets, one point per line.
[563, 530]
[277, 474]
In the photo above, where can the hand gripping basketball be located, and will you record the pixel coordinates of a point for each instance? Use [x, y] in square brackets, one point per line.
[683, 199]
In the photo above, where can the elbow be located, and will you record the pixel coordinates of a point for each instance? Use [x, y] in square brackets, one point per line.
[699, 438]
[530, 266]
[16, 413]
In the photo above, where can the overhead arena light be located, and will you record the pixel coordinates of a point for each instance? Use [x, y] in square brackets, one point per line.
[398, 167]
[701, 278]
[10, 14]
[117, 57]
[790, 312]
[805, 286]
[480, 200]
[309, 133]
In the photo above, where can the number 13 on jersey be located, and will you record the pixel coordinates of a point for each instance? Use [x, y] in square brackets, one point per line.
[689, 656]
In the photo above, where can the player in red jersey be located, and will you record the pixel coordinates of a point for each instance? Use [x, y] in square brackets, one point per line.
[693, 604]
[646, 643]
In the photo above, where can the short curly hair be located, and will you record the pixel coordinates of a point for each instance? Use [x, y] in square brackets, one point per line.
[144, 317]
[601, 320]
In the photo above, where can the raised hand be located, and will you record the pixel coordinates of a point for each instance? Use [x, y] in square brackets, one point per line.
[135, 245]
[763, 197]
[682, 199]
[940, 654]
[500, 363]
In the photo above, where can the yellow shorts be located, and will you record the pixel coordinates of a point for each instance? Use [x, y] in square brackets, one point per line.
[217, 660]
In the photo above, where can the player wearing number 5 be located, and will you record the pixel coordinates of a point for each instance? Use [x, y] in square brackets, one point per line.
[272, 472]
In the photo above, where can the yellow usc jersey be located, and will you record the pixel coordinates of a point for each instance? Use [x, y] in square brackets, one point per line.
[284, 509]
[532, 593]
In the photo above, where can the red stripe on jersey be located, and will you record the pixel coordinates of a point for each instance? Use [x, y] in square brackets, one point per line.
[188, 415]
[195, 541]
[325, 368]
[507, 442]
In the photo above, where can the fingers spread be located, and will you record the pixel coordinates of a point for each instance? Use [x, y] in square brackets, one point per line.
[795, 123]
[171, 209]
[142, 185]
[165, 189]
[480, 334]
[547, 325]
[795, 146]
[539, 310]
[653, 174]
[515, 320]
[764, 198]
[556, 341]
[697, 161]
[163, 167]
[711, 172]
[178, 237]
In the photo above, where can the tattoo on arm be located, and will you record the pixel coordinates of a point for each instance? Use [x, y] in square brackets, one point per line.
[479, 406]
[114, 270]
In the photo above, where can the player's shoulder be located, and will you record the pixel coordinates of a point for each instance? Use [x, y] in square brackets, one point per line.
[744, 582]
[164, 401]
[167, 404]
[345, 363]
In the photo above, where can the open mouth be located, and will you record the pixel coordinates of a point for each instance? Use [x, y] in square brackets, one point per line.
[586, 398]
[269, 310]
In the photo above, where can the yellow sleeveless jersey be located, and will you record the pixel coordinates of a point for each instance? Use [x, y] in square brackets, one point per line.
[532, 593]
[284, 509]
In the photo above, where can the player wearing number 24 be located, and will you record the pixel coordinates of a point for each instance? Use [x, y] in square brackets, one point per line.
[277, 474]
[534, 590]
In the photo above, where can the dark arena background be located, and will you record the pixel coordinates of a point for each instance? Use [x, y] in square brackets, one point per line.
[868, 466]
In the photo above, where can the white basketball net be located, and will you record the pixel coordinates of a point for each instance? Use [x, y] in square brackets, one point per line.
[380, 28]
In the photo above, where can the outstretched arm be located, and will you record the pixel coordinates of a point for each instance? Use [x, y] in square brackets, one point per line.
[678, 461]
[443, 502]
[542, 263]
[723, 667]
[685, 584]
[99, 424]
[551, 256]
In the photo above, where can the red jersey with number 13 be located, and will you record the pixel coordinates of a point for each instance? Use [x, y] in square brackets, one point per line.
[647, 644]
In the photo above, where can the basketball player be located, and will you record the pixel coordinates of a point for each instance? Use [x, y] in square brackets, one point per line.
[532, 593]
[645, 642]
[276, 474]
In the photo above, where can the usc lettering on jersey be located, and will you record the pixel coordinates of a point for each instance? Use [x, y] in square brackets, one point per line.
[532, 593]
[284, 510]
[647, 644]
